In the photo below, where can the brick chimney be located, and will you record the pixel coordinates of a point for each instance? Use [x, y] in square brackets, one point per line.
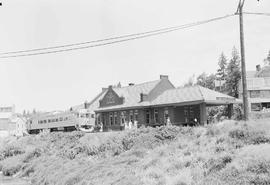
[143, 97]
[258, 68]
[162, 77]
[131, 84]
[85, 104]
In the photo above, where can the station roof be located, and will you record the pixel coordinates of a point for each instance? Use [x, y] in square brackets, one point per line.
[173, 96]
[193, 94]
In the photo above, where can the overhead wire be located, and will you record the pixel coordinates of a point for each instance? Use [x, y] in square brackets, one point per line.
[123, 38]
[257, 13]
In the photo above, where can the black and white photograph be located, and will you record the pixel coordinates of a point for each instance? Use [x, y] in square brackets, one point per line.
[134, 92]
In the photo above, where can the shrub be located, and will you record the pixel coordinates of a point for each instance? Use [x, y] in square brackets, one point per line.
[249, 135]
[11, 165]
[10, 150]
[216, 164]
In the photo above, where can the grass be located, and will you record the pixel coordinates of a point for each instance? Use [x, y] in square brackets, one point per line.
[229, 152]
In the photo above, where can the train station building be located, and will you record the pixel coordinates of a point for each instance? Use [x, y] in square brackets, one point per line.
[154, 103]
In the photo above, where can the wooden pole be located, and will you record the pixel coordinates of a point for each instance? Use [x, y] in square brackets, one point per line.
[243, 61]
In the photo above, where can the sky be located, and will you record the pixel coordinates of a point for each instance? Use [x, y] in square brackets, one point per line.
[58, 81]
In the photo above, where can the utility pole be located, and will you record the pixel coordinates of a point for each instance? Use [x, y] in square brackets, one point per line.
[243, 60]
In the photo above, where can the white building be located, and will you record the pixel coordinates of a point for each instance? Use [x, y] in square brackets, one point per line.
[11, 123]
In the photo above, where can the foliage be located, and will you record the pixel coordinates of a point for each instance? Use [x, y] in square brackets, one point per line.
[190, 81]
[229, 152]
[222, 64]
[10, 150]
[233, 74]
[206, 80]
[228, 71]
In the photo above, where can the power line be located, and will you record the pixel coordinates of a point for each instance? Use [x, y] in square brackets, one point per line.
[256, 13]
[90, 42]
[137, 36]
[100, 40]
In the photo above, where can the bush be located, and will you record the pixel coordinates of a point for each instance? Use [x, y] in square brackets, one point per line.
[10, 150]
[249, 135]
[11, 165]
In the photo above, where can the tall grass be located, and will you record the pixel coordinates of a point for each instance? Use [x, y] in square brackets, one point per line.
[229, 152]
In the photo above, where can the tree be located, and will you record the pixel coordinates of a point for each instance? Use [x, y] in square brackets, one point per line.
[222, 64]
[233, 74]
[206, 80]
[267, 60]
[190, 81]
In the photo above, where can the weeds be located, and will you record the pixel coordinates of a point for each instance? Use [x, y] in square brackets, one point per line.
[225, 153]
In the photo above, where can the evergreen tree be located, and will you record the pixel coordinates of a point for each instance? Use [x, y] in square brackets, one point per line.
[222, 64]
[233, 74]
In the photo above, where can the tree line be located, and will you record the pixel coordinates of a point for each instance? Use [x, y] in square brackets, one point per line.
[227, 76]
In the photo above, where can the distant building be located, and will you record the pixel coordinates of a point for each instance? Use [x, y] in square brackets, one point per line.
[10, 122]
[258, 86]
[157, 103]
[220, 85]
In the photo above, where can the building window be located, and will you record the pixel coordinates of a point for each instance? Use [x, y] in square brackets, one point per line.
[123, 117]
[131, 116]
[136, 115]
[186, 114]
[156, 115]
[166, 114]
[191, 113]
[103, 119]
[254, 94]
[255, 106]
[111, 118]
[147, 117]
[115, 118]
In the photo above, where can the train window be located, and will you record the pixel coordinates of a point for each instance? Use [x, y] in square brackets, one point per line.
[49, 121]
[92, 115]
[60, 119]
[56, 120]
[44, 121]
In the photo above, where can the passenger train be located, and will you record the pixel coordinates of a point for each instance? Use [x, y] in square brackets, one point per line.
[61, 121]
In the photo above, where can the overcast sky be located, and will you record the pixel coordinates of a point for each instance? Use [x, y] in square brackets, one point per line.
[58, 81]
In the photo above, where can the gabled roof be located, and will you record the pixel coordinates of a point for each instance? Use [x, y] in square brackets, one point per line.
[131, 95]
[175, 96]
[184, 95]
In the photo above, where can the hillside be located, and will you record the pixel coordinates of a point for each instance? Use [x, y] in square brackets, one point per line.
[227, 153]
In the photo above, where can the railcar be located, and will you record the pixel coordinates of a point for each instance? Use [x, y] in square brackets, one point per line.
[61, 121]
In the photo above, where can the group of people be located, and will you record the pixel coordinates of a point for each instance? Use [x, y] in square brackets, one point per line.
[131, 125]
[124, 126]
